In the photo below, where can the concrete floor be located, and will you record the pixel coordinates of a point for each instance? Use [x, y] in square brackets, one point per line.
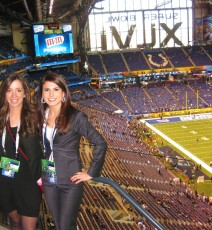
[3, 228]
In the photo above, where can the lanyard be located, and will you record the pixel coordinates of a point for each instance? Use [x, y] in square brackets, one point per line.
[17, 137]
[51, 158]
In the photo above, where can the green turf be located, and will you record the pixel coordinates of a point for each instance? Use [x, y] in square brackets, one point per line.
[195, 136]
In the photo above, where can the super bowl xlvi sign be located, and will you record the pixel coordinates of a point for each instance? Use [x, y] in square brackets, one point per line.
[157, 28]
[170, 34]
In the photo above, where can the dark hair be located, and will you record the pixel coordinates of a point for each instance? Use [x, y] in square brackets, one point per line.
[28, 113]
[62, 122]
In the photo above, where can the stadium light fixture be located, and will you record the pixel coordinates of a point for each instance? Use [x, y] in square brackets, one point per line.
[51, 6]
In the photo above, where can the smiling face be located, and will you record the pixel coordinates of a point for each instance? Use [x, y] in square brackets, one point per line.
[52, 94]
[15, 94]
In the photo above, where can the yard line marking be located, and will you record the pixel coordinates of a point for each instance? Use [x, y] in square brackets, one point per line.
[193, 132]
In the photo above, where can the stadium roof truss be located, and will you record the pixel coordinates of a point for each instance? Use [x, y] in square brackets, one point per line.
[30, 11]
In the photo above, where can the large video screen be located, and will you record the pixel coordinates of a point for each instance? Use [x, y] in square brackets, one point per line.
[52, 39]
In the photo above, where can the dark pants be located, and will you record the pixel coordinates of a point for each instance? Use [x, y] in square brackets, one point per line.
[63, 203]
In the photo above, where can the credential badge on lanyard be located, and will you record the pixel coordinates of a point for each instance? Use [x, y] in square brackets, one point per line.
[50, 169]
[51, 158]
[10, 162]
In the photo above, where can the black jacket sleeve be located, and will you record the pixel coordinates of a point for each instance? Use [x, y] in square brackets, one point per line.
[84, 127]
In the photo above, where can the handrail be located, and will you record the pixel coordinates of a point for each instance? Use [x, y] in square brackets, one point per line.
[130, 200]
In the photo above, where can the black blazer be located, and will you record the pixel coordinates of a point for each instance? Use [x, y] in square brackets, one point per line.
[66, 149]
[33, 150]
[31, 146]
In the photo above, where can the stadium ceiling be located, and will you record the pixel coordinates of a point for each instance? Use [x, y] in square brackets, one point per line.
[31, 11]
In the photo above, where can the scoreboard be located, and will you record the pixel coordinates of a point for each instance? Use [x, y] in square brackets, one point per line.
[52, 39]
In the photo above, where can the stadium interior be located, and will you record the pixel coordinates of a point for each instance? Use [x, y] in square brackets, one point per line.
[127, 64]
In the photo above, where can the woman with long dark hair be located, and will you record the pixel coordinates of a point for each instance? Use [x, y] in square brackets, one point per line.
[62, 127]
[20, 152]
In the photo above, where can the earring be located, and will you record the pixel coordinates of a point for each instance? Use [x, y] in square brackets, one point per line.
[63, 99]
[42, 100]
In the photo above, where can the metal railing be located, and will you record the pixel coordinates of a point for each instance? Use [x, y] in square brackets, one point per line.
[131, 201]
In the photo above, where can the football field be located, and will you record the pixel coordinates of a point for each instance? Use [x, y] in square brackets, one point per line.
[192, 136]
